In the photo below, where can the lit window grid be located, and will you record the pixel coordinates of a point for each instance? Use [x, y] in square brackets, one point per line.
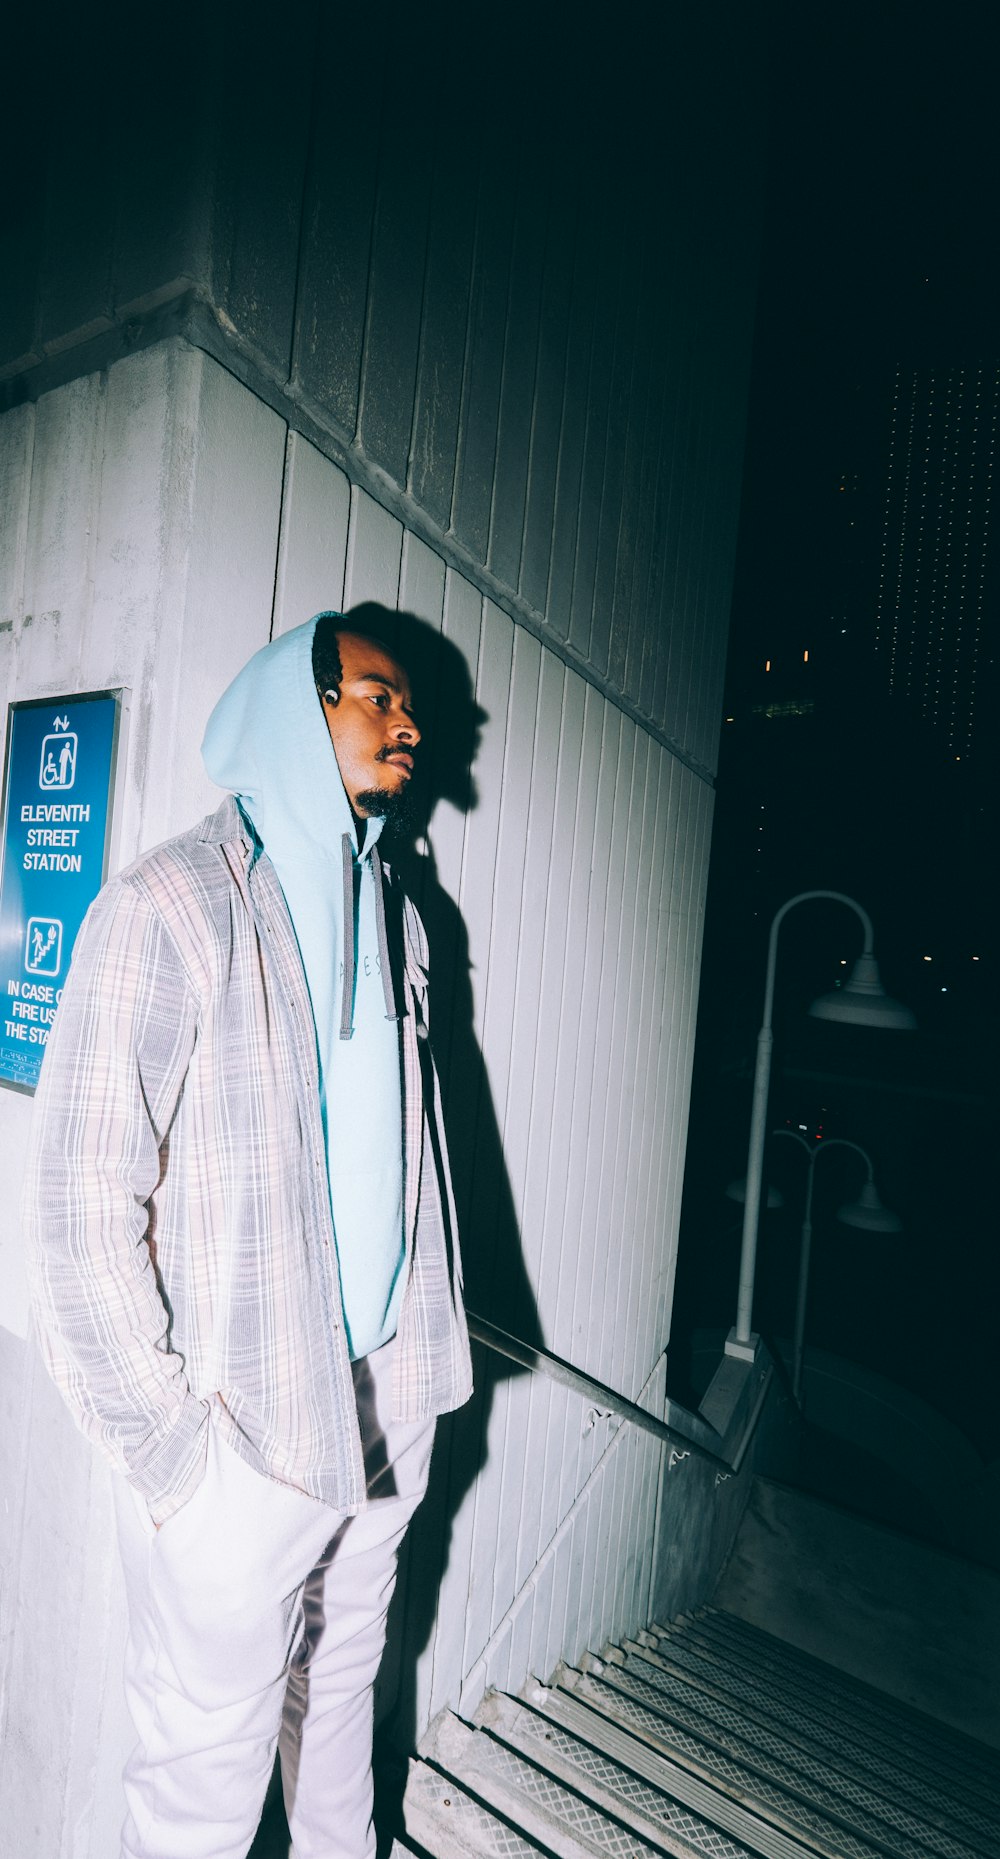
[943, 469]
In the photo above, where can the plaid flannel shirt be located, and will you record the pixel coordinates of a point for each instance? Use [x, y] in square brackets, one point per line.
[181, 1244]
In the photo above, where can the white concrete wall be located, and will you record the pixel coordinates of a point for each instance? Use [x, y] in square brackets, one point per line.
[138, 530]
[139, 520]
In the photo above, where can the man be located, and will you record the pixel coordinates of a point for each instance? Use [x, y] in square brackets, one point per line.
[245, 1272]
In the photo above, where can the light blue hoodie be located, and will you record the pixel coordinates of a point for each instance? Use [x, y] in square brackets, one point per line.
[268, 742]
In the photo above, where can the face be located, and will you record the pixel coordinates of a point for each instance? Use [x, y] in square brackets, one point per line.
[371, 727]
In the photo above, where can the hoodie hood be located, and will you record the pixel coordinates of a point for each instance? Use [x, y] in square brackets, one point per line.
[268, 743]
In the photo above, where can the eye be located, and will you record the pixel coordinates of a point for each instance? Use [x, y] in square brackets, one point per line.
[380, 699]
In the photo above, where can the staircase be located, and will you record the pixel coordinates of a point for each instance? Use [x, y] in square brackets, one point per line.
[706, 1736]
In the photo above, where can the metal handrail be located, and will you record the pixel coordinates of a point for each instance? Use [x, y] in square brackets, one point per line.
[687, 1432]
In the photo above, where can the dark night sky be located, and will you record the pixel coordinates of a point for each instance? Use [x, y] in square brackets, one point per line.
[880, 246]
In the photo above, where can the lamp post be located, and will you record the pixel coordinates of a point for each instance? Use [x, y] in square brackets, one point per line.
[866, 1212]
[862, 1002]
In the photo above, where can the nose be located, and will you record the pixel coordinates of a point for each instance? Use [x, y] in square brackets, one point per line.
[405, 729]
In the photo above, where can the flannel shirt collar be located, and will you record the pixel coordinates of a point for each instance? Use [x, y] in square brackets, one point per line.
[229, 824]
[225, 824]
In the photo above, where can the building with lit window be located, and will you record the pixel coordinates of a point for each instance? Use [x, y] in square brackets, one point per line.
[937, 574]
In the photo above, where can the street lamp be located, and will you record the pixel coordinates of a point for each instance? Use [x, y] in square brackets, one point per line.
[862, 1002]
[866, 1212]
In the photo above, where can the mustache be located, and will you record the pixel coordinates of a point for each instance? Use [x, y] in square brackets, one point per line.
[388, 753]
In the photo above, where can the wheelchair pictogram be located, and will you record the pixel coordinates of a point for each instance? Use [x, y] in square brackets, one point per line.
[57, 768]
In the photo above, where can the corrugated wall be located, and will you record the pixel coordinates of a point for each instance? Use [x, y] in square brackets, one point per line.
[498, 383]
[517, 307]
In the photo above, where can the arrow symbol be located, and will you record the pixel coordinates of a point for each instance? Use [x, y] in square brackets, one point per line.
[61, 722]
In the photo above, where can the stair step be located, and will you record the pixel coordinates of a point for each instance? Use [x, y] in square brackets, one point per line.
[592, 1769]
[818, 1725]
[559, 1819]
[753, 1760]
[441, 1818]
[706, 1762]
[606, 1761]
[935, 1741]
[734, 1638]
[811, 1765]
[873, 1731]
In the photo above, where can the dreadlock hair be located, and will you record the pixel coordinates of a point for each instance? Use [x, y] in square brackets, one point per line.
[326, 662]
[326, 665]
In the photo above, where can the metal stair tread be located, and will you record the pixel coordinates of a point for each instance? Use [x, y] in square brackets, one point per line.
[966, 1769]
[719, 1623]
[710, 1725]
[718, 1769]
[590, 1767]
[876, 1743]
[841, 1747]
[441, 1818]
[745, 1822]
[812, 1773]
[799, 1671]
[808, 1758]
[707, 1738]
[919, 1726]
[557, 1817]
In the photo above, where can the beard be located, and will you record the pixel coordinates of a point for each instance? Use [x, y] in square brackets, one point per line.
[393, 805]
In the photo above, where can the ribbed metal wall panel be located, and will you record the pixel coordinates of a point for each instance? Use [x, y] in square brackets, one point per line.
[547, 354]
[514, 352]
[538, 334]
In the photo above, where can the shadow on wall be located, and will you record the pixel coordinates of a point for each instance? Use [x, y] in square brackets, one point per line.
[496, 1282]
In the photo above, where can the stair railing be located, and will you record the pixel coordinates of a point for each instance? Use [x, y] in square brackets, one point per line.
[684, 1431]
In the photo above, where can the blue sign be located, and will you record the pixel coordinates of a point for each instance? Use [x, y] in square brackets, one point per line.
[58, 791]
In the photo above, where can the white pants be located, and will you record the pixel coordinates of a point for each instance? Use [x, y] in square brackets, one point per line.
[254, 1611]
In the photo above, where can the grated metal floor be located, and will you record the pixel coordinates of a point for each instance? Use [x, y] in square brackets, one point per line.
[707, 1739]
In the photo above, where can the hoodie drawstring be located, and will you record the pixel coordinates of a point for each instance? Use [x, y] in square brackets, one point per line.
[347, 995]
[383, 939]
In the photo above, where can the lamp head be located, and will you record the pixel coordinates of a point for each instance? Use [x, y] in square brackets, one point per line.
[863, 1001]
[737, 1191]
[868, 1213]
